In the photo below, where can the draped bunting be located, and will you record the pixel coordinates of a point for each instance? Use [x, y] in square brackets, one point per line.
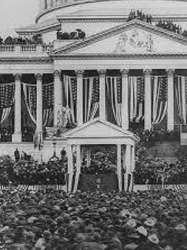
[48, 104]
[30, 96]
[136, 95]
[91, 97]
[29, 91]
[7, 95]
[181, 94]
[70, 86]
[113, 85]
[159, 98]
[7, 91]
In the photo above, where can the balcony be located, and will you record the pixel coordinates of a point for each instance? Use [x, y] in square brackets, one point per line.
[24, 50]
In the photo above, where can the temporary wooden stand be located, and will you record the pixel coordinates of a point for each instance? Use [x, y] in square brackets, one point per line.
[99, 132]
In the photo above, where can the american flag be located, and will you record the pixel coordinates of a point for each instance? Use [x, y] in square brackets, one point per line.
[140, 99]
[95, 93]
[48, 95]
[74, 88]
[6, 95]
[119, 89]
[159, 98]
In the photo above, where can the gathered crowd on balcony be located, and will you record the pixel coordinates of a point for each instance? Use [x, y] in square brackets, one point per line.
[74, 35]
[34, 40]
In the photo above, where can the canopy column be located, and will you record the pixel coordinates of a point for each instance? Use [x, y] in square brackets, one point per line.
[78, 168]
[170, 113]
[127, 166]
[17, 136]
[102, 95]
[147, 100]
[119, 167]
[124, 106]
[70, 168]
[132, 168]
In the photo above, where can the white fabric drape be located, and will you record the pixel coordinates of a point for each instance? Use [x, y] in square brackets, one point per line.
[159, 107]
[111, 84]
[136, 93]
[180, 93]
[47, 116]
[29, 91]
[67, 80]
[90, 107]
[5, 114]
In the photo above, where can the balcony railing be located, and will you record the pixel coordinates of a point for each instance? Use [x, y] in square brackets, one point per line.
[22, 49]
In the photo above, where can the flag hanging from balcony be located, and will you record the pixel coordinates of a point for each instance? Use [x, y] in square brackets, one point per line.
[70, 95]
[136, 96]
[7, 91]
[159, 98]
[48, 103]
[91, 97]
[113, 86]
[29, 91]
[181, 95]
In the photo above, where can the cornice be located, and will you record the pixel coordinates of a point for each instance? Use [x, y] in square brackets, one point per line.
[119, 56]
[25, 60]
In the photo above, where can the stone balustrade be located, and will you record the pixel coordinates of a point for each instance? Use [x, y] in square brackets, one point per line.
[22, 49]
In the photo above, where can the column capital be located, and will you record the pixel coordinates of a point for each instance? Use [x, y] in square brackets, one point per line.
[170, 71]
[79, 72]
[124, 72]
[38, 77]
[17, 77]
[102, 71]
[56, 73]
[147, 71]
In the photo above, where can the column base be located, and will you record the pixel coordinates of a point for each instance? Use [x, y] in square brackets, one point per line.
[17, 137]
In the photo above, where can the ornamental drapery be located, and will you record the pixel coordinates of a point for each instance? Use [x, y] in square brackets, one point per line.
[136, 98]
[113, 86]
[181, 97]
[7, 91]
[159, 98]
[91, 97]
[30, 95]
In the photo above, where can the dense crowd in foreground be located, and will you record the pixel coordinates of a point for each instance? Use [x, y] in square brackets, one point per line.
[54, 220]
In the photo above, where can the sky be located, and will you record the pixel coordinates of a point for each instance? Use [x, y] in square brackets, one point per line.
[15, 14]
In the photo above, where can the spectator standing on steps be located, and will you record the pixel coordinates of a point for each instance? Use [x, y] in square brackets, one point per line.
[16, 155]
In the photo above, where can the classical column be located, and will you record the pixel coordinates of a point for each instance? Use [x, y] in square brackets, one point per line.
[57, 95]
[132, 167]
[170, 113]
[147, 100]
[127, 166]
[70, 168]
[119, 167]
[78, 168]
[17, 136]
[102, 95]
[39, 105]
[79, 74]
[124, 104]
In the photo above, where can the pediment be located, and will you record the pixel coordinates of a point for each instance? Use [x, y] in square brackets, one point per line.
[135, 37]
[99, 129]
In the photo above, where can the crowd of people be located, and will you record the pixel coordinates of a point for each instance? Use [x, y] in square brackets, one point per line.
[54, 220]
[9, 40]
[77, 34]
[169, 25]
[5, 134]
[138, 14]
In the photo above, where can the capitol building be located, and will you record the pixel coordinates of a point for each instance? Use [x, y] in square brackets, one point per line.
[96, 70]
